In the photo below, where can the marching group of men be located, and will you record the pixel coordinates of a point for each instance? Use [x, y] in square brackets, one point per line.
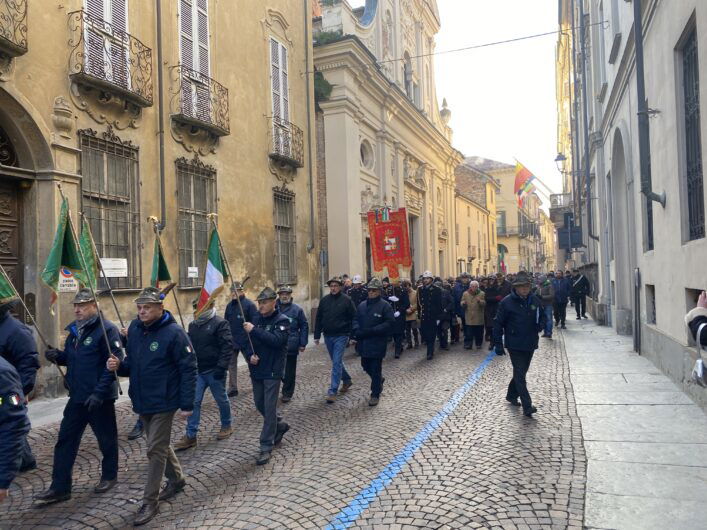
[170, 368]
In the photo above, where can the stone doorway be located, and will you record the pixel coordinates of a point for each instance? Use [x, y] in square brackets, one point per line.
[11, 250]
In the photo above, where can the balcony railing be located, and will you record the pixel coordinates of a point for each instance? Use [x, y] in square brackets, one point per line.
[200, 101]
[560, 200]
[13, 27]
[108, 58]
[286, 142]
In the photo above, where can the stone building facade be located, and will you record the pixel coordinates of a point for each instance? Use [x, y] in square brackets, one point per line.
[387, 143]
[173, 109]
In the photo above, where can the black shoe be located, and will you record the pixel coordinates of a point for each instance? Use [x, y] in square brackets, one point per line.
[137, 431]
[263, 458]
[563, 326]
[409, 347]
[286, 399]
[145, 514]
[397, 356]
[171, 489]
[429, 357]
[281, 432]
[29, 466]
[513, 402]
[49, 496]
[232, 393]
[585, 316]
[373, 401]
[530, 412]
[578, 318]
[105, 485]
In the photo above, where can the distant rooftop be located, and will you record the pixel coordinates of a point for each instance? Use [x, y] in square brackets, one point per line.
[486, 164]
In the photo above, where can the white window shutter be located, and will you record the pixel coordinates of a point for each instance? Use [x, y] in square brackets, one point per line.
[186, 33]
[284, 85]
[202, 37]
[275, 79]
[119, 47]
[95, 59]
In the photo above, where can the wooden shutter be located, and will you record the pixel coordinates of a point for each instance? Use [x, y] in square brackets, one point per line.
[201, 37]
[119, 46]
[95, 59]
[280, 97]
[186, 44]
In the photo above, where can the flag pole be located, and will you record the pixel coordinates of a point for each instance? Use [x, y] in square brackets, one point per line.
[213, 216]
[159, 243]
[90, 286]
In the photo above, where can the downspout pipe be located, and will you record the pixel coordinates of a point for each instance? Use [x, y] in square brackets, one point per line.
[575, 129]
[643, 111]
[160, 112]
[308, 80]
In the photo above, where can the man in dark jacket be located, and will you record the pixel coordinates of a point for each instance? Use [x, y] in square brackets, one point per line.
[297, 340]
[460, 287]
[373, 323]
[493, 298]
[400, 303]
[211, 338]
[269, 333]
[358, 292]
[429, 309]
[446, 315]
[546, 293]
[579, 291]
[14, 425]
[92, 394]
[237, 314]
[18, 347]
[334, 318]
[518, 321]
[162, 368]
[562, 292]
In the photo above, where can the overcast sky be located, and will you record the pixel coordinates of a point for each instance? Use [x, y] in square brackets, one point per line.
[502, 97]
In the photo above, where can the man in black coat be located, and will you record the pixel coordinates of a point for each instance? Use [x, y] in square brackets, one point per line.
[446, 315]
[429, 309]
[373, 324]
[14, 425]
[518, 321]
[579, 291]
[237, 314]
[92, 394]
[358, 292]
[298, 339]
[399, 302]
[18, 347]
[162, 368]
[493, 298]
[269, 333]
[211, 338]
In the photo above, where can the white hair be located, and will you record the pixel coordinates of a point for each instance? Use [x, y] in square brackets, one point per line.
[474, 283]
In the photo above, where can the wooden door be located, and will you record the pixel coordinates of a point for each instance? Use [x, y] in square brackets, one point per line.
[10, 231]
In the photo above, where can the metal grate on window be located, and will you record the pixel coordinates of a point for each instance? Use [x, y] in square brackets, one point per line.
[285, 238]
[693, 140]
[110, 200]
[196, 196]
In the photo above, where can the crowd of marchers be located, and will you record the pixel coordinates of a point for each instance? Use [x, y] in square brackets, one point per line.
[170, 368]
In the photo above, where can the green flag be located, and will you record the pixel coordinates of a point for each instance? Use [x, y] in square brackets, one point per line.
[64, 254]
[7, 291]
[89, 254]
[160, 272]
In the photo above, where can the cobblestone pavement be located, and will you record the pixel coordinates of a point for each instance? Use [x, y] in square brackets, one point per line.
[486, 466]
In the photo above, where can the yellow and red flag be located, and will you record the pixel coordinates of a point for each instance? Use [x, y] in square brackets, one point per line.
[524, 183]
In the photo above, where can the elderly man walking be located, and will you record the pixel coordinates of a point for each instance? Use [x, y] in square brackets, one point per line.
[473, 302]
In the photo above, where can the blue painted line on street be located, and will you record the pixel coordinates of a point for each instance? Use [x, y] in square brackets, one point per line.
[360, 503]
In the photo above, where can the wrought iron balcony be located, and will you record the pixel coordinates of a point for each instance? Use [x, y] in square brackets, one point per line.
[560, 203]
[109, 59]
[286, 142]
[200, 102]
[13, 27]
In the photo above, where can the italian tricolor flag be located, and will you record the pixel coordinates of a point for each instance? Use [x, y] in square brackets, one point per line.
[216, 276]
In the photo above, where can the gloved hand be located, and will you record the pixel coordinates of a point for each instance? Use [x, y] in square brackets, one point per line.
[393, 298]
[219, 373]
[396, 314]
[51, 355]
[93, 402]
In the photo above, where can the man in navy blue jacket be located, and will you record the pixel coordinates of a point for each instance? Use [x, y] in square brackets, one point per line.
[238, 314]
[92, 394]
[518, 321]
[296, 342]
[161, 365]
[373, 323]
[562, 293]
[14, 425]
[18, 347]
[269, 333]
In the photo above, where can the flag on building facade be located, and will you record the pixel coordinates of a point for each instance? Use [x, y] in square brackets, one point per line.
[523, 184]
[215, 276]
[87, 248]
[64, 254]
[160, 271]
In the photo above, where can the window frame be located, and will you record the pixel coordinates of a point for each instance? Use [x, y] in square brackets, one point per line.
[287, 197]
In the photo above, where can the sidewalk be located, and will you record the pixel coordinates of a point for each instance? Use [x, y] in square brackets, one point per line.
[646, 441]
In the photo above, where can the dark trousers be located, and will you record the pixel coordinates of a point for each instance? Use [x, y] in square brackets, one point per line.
[580, 304]
[411, 331]
[518, 388]
[265, 393]
[288, 382]
[473, 334]
[443, 333]
[455, 330]
[428, 330]
[489, 334]
[560, 312]
[374, 368]
[73, 424]
[398, 340]
[27, 459]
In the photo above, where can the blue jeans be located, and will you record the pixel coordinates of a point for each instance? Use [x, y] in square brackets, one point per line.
[548, 319]
[336, 347]
[218, 390]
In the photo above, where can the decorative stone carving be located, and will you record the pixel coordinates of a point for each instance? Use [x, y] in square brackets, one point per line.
[193, 139]
[105, 108]
[63, 117]
[275, 23]
[7, 68]
[369, 200]
[285, 173]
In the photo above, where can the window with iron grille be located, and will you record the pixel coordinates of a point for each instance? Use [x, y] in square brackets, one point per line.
[693, 140]
[110, 200]
[196, 192]
[285, 239]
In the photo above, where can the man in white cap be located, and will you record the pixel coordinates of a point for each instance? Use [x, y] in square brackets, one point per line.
[358, 292]
[429, 308]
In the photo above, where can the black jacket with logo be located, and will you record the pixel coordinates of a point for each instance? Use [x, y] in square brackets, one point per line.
[518, 322]
[269, 337]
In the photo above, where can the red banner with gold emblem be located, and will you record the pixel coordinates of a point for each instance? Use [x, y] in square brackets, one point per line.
[390, 240]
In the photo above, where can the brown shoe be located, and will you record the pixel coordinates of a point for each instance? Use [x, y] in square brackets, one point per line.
[224, 433]
[345, 387]
[145, 514]
[330, 398]
[185, 443]
[373, 401]
[105, 485]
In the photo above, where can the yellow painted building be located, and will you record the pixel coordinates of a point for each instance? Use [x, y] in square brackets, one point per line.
[199, 106]
[547, 260]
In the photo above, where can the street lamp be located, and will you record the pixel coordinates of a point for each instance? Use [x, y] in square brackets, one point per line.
[559, 159]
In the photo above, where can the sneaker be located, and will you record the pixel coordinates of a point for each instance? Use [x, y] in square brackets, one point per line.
[345, 387]
[373, 401]
[224, 433]
[232, 393]
[185, 443]
[263, 458]
[145, 514]
[330, 398]
[281, 432]
[171, 489]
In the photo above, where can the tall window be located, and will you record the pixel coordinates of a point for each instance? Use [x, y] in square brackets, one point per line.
[693, 140]
[106, 40]
[110, 201]
[285, 238]
[501, 223]
[279, 87]
[194, 55]
[196, 193]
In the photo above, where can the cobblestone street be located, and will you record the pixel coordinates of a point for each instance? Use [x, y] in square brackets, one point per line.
[484, 466]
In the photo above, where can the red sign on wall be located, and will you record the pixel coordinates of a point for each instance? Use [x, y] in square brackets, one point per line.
[390, 240]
